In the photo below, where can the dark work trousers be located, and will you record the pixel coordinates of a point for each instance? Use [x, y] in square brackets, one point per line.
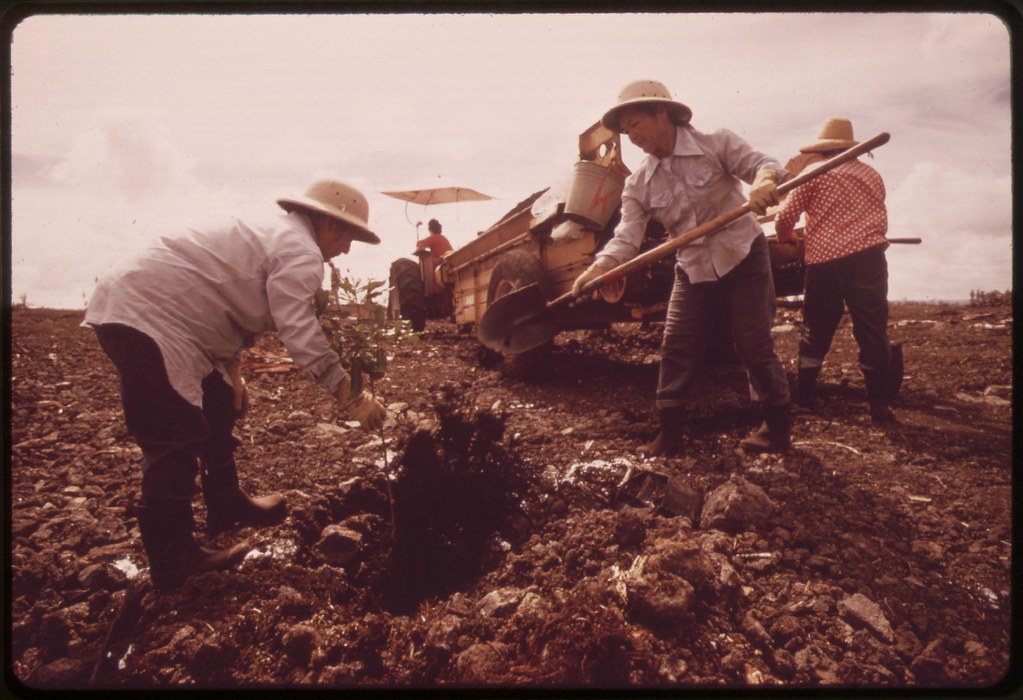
[859, 282]
[746, 294]
[173, 433]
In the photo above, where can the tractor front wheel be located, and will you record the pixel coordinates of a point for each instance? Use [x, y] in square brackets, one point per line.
[408, 298]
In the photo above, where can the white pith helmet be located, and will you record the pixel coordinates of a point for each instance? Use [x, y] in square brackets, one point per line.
[339, 200]
[645, 92]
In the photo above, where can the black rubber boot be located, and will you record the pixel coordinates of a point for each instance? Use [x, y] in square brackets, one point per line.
[173, 553]
[878, 395]
[806, 388]
[671, 438]
[774, 434]
[228, 505]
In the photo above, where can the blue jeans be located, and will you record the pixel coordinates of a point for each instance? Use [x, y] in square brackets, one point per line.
[172, 433]
[746, 294]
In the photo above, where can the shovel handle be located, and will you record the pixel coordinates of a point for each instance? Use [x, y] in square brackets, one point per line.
[661, 251]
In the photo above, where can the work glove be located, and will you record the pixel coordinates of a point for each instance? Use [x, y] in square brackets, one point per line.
[241, 394]
[764, 191]
[363, 407]
[591, 273]
[787, 251]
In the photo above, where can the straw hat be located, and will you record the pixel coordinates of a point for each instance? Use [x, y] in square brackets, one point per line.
[336, 199]
[835, 135]
[645, 92]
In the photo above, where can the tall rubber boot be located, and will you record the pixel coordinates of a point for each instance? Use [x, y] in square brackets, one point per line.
[806, 388]
[173, 553]
[774, 434]
[671, 438]
[228, 505]
[878, 395]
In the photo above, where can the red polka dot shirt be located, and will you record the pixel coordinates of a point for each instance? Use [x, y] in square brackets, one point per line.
[845, 213]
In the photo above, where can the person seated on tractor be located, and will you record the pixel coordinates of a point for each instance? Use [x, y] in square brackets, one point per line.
[436, 242]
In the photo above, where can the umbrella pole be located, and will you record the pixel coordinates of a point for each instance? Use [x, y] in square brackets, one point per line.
[410, 221]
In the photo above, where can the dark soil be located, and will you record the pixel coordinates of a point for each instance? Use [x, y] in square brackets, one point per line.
[530, 544]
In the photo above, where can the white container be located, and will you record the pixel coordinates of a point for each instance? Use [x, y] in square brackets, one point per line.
[595, 194]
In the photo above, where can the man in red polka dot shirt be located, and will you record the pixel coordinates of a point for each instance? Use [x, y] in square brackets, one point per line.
[845, 243]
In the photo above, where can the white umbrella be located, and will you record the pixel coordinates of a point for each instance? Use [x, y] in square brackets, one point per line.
[427, 196]
[439, 195]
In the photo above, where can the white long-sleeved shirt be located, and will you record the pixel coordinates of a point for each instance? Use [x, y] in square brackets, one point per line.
[204, 296]
[697, 182]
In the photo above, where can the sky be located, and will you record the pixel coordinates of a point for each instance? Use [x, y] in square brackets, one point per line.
[127, 128]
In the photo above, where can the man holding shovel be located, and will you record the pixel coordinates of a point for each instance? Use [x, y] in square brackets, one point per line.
[175, 320]
[846, 227]
[689, 178]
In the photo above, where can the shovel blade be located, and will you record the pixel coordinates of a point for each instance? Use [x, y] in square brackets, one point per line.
[518, 322]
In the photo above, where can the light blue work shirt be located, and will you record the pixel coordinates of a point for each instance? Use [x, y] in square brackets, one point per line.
[697, 182]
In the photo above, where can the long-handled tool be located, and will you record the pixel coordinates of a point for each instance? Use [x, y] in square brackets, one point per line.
[524, 319]
[894, 241]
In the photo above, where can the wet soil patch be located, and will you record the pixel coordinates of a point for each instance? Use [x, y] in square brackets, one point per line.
[456, 487]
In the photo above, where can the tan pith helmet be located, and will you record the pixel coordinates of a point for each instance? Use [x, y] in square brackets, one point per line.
[339, 200]
[646, 92]
[835, 135]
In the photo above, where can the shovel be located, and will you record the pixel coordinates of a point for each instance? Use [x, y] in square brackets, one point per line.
[524, 319]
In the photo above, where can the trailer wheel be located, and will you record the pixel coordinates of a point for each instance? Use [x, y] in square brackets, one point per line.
[514, 270]
[407, 296]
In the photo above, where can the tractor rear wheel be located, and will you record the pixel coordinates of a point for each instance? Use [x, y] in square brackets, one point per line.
[514, 270]
[408, 298]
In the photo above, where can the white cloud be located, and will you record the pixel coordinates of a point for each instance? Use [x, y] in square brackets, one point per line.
[970, 206]
[965, 221]
[221, 114]
[127, 152]
[123, 184]
[947, 270]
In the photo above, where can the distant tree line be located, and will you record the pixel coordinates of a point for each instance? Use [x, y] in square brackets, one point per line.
[979, 298]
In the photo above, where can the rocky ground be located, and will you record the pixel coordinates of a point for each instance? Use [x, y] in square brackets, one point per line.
[529, 543]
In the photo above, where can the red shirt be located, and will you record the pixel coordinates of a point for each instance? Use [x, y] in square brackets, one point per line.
[845, 213]
[437, 244]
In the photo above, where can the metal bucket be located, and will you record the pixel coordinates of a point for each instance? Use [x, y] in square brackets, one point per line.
[595, 194]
